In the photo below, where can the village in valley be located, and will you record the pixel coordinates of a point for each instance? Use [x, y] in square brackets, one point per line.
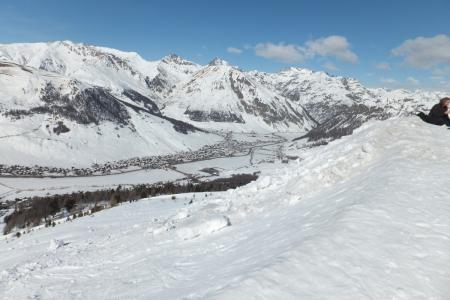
[228, 147]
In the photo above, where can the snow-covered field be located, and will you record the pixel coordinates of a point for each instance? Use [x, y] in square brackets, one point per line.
[365, 217]
[249, 159]
[12, 188]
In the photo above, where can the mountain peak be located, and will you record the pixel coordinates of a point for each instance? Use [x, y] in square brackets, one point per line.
[218, 62]
[175, 58]
[298, 70]
[172, 56]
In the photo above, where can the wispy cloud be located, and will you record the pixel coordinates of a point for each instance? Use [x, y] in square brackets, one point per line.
[281, 52]
[332, 46]
[425, 52]
[234, 50]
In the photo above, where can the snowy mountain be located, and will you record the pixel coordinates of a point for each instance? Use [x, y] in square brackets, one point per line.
[364, 217]
[340, 104]
[99, 66]
[172, 70]
[221, 93]
[346, 222]
[45, 115]
[90, 101]
[165, 81]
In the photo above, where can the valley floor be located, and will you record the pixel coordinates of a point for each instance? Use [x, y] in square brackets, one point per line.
[365, 217]
[264, 152]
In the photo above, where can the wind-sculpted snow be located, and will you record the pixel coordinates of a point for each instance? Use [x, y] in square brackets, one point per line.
[187, 224]
[365, 217]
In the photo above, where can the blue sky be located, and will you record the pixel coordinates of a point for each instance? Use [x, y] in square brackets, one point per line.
[382, 43]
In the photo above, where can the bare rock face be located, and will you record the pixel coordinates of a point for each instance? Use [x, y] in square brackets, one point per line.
[60, 128]
[159, 84]
[152, 108]
[344, 122]
[92, 105]
[141, 99]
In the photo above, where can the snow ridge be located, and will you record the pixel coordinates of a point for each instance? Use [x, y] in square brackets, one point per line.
[364, 217]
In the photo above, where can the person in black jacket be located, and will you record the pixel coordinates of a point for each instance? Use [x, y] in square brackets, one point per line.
[438, 114]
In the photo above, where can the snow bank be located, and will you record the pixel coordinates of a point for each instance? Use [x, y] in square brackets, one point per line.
[365, 217]
[191, 223]
[55, 244]
[203, 225]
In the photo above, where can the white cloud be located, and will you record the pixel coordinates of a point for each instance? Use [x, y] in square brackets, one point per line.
[383, 66]
[234, 50]
[412, 80]
[332, 46]
[425, 52]
[281, 52]
[388, 80]
[330, 66]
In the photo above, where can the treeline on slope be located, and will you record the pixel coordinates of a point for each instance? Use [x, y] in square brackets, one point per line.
[44, 210]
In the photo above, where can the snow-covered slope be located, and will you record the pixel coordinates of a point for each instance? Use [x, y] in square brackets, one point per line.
[100, 66]
[222, 94]
[341, 104]
[365, 217]
[44, 116]
[104, 94]
[101, 100]
[318, 91]
[172, 70]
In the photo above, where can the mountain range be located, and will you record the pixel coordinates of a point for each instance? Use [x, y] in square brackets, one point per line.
[63, 103]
